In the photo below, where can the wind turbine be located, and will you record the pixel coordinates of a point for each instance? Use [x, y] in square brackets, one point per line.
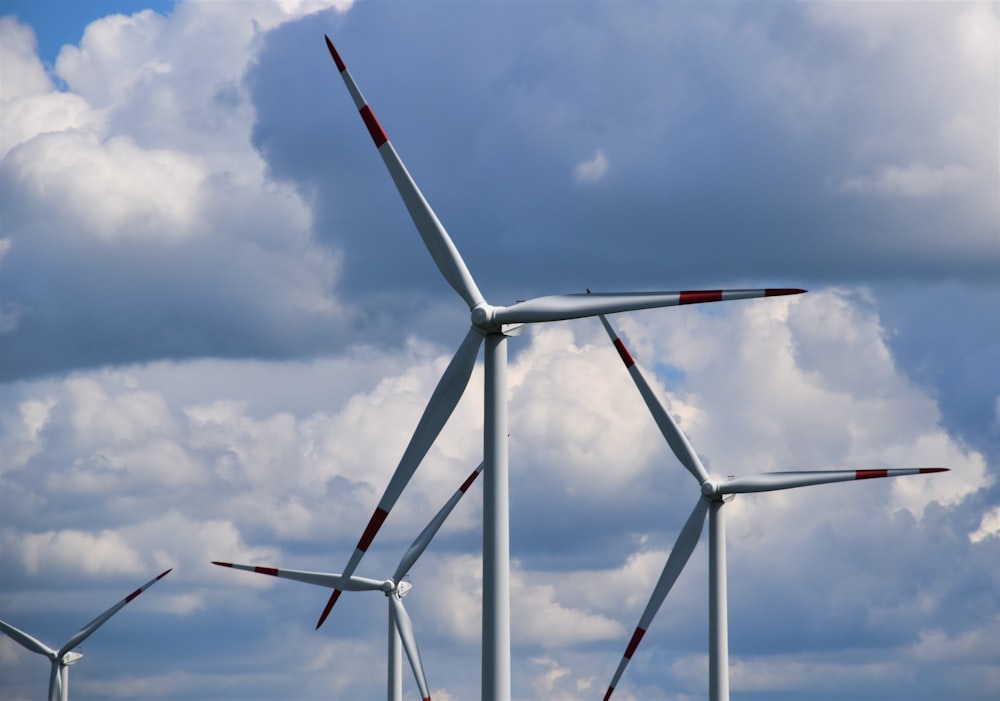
[62, 658]
[492, 324]
[394, 588]
[714, 495]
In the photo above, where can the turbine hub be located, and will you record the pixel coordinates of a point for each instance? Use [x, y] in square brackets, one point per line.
[710, 490]
[482, 316]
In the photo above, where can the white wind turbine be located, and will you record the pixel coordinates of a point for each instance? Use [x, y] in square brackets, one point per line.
[394, 588]
[491, 323]
[62, 658]
[714, 494]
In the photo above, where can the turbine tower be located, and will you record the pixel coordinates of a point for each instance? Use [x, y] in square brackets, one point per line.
[62, 658]
[490, 324]
[714, 495]
[394, 588]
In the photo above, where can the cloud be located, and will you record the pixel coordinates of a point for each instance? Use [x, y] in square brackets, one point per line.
[911, 181]
[278, 483]
[142, 187]
[989, 526]
[591, 171]
[220, 329]
[106, 553]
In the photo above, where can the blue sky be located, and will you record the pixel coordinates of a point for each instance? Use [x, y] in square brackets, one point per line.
[218, 329]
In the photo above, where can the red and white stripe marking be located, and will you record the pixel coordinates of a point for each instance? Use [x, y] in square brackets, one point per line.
[146, 586]
[272, 571]
[703, 296]
[470, 479]
[875, 474]
[374, 128]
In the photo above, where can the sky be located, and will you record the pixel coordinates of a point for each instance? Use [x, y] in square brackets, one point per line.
[219, 327]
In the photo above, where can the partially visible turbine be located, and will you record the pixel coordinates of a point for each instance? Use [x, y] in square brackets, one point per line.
[492, 323]
[394, 588]
[714, 494]
[62, 658]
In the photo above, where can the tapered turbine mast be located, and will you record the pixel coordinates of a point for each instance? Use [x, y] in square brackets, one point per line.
[714, 495]
[394, 588]
[62, 658]
[488, 323]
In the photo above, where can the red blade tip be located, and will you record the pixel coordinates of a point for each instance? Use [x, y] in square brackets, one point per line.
[222, 564]
[928, 470]
[336, 56]
[329, 606]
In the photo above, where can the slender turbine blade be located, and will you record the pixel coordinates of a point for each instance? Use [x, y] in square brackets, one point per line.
[575, 306]
[679, 555]
[440, 245]
[56, 681]
[405, 627]
[321, 579]
[772, 481]
[668, 427]
[63, 683]
[25, 640]
[423, 540]
[85, 632]
[442, 403]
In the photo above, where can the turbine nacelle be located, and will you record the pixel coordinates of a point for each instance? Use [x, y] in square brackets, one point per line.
[70, 658]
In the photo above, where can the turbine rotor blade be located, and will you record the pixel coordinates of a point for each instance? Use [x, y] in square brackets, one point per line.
[55, 681]
[421, 542]
[436, 239]
[320, 579]
[442, 403]
[773, 481]
[575, 306]
[27, 641]
[405, 627]
[86, 631]
[679, 555]
[676, 439]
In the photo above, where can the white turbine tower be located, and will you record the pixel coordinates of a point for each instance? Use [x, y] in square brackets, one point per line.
[714, 495]
[394, 588]
[62, 658]
[491, 323]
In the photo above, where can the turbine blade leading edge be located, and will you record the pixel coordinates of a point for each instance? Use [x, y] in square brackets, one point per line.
[679, 555]
[58, 678]
[421, 542]
[320, 579]
[446, 395]
[405, 627]
[676, 439]
[85, 632]
[575, 306]
[773, 481]
[436, 239]
[27, 641]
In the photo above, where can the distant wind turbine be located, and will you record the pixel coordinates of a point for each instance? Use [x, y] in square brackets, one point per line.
[714, 495]
[62, 658]
[492, 323]
[394, 588]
